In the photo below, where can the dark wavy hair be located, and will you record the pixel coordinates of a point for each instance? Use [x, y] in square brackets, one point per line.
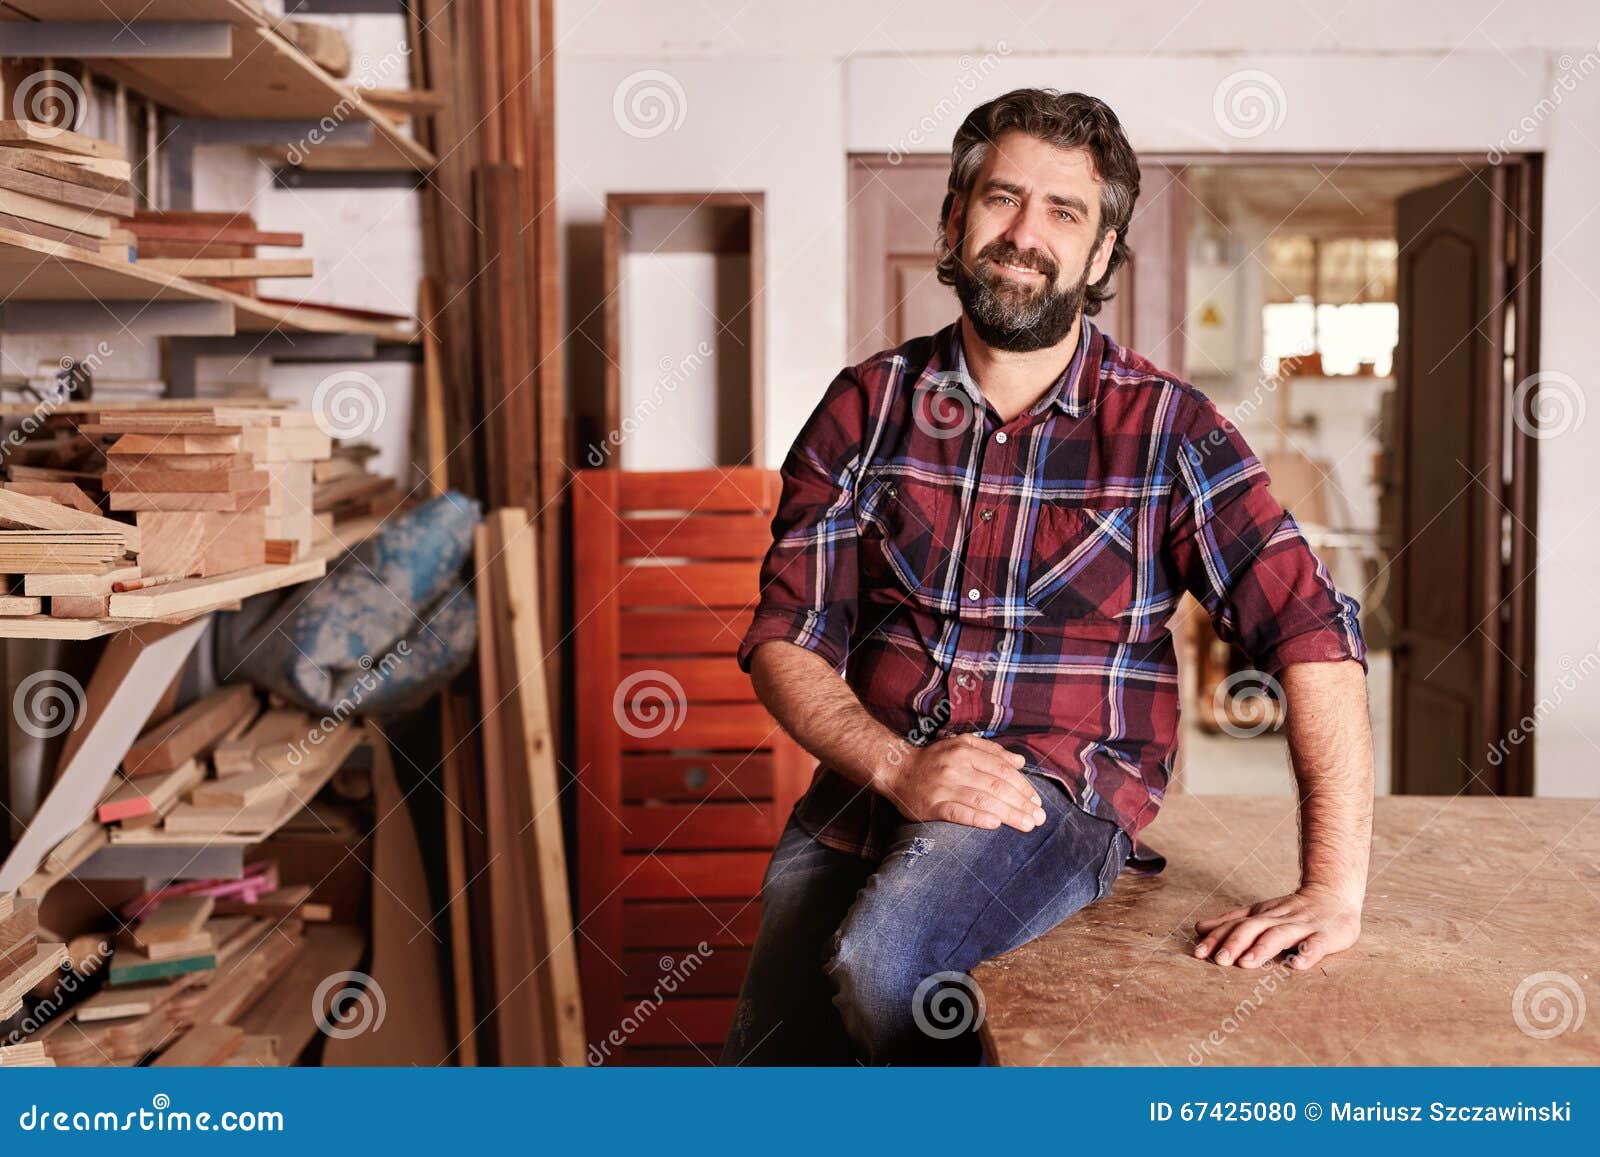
[1069, 120]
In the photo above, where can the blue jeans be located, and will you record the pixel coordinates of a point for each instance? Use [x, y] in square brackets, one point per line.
[858, 961]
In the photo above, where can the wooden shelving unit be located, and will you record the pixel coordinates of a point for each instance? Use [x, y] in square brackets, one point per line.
[264, 76]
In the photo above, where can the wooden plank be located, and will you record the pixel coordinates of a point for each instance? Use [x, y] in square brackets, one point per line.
[693, 680]
[47, 959]
[229, 267]
[688, 827]
[693, 875]
[133, 500]
[737, 490]
[65, 192]
[691, 778]
[94, 583]
[173, 443]
[19, 509]
[706, 584]
[686, 923]
[673, 536]
[203, 1046]
[531, 772]
[48, 164]
[718, 972]
[248, 789]
[709, 631]
[723, 726]
[130, 967]
[516, 1013]
[175, 919]
[49, 213]
[404, 962]
[203, 543]
[30, 134]
[436, 448]
[284, 1010]
[184, 481]
[189, 733]
[66, 493]
[1439, 974]
[150, 795]
[192, 596]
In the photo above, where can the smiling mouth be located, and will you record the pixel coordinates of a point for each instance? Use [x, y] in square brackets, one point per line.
[1018, 268]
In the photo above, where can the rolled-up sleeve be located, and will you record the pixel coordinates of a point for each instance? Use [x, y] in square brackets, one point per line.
[1243, 557]
[809, 577]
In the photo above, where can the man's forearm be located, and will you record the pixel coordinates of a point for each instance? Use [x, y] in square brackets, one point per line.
[1330, 742]
[807, 697]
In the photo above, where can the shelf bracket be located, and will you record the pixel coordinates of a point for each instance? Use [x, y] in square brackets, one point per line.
[92, 40]
[189, 133]
[108, 715]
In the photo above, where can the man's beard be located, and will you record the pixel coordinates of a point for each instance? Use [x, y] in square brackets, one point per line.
[1010, 316]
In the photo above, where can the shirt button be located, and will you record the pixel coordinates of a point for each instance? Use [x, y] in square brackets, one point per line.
[966, 682]
[973, 594]
[1001, 437]
[987, 515]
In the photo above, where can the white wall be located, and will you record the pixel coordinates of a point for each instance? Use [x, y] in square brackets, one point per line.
[774, 96]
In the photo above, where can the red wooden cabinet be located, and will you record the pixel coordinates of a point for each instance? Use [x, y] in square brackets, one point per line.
[684, 780]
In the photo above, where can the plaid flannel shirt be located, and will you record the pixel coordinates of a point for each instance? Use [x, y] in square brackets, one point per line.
[1015, 579]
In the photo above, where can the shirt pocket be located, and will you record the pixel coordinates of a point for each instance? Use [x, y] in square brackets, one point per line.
[903, 527]
[1083, 562]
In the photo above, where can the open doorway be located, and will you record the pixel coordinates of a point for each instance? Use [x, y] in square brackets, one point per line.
[1368, 323]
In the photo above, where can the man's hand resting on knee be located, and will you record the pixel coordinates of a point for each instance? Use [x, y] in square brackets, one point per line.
[963, 779]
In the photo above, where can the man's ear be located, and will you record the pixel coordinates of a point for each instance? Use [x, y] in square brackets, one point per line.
[953, 226]
[1102, 256]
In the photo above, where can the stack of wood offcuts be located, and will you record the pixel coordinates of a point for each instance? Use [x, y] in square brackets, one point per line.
[220, 771]
[190, 959]
[155, 495]
[63, 186]
[210, 490]
[218, 248]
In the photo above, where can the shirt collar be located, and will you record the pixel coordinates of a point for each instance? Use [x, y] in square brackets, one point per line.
[1071, 393]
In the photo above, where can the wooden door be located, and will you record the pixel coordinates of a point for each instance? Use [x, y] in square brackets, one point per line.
[894, 294]
[1462, 581]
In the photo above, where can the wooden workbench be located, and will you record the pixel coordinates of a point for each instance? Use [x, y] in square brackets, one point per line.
[1469, 897]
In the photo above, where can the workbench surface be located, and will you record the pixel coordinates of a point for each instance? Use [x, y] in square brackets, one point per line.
[1480, 946]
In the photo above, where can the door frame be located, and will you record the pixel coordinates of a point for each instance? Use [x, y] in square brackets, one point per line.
[1516, 181]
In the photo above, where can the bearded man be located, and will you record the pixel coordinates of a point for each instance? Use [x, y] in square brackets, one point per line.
[986, 532]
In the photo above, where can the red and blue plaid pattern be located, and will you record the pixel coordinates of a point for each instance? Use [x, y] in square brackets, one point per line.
[1016, 579]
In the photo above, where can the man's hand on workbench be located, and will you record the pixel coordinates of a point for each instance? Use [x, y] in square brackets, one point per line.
[1316, 920]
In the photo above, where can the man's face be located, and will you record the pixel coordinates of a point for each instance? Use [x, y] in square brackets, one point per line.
[1027, 242]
